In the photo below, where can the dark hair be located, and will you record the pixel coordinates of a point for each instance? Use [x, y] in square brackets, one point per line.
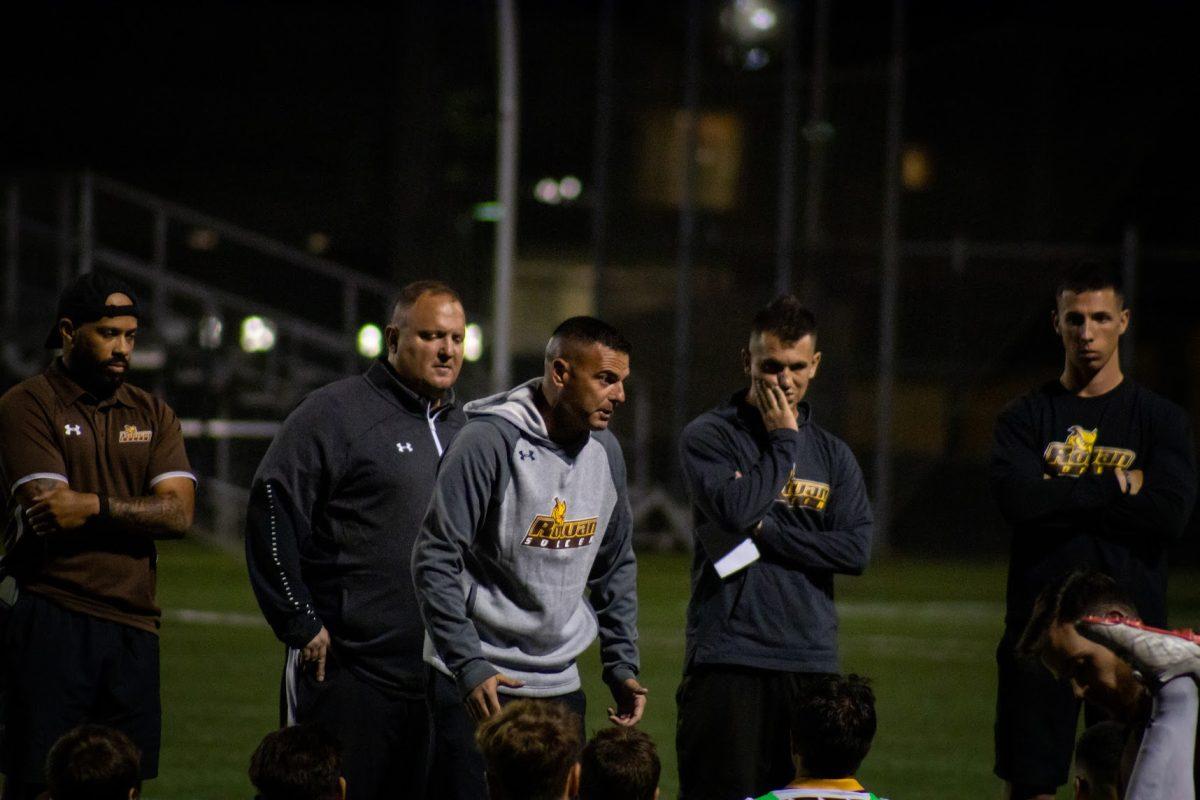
[619, 764]
[1098, 755]
[413, 292]
[1063, 601]
[302, 762]
[529, 749]
[587, 330]
[787, 318]
[1089, 276]
[833, 724]
[92, 762]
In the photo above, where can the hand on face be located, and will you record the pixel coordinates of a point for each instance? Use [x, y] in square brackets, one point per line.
[771, 401]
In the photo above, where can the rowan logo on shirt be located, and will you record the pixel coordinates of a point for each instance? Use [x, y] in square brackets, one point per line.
[799, 493]
[1078, 454]
[556, 532]
[130, 434]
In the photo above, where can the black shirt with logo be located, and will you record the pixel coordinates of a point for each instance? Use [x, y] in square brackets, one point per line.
[1053, 473]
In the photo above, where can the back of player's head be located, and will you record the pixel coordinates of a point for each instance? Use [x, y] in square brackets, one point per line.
[1079, 593]
[619, 764]
[92, 762]
[1089, 276]
[832, 724]
[1098, 754]
[302, 762]
[413, 292]
[787, 318]
[530, 749]
[585, 331]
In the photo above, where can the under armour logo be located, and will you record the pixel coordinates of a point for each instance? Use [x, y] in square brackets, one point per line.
[524, 454]
[73, 430]
[404, 447]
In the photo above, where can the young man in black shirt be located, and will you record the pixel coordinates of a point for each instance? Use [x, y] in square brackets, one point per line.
[1092, 471]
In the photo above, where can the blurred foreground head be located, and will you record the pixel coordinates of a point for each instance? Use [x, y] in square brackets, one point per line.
[833, 725]
[531, 751]
[93, 762]
[301, 762]
[619, 764]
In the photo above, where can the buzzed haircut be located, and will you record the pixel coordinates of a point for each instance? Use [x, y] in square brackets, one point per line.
[93, 762]
[301, 762]
[529, 749]
[411, 293]
[832, 724]
[1076, 594]
[1098, 756]
[1089, 276]
[619, 764]
[586, 330]
[787, 318]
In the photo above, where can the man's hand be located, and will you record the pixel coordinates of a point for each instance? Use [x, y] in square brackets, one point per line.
[316, 650]
[773, 405]
[1131, 480]
[631, 703]
[61, 509]
[483, 701]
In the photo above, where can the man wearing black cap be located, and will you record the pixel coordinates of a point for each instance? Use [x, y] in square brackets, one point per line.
[96, 471]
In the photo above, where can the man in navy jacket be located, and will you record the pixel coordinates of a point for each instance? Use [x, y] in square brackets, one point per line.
[779, 508]
[334, 509]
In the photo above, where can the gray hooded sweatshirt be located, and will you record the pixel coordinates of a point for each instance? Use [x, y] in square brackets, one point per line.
[526, 553]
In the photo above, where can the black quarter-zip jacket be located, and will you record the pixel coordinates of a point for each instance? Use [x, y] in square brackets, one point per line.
[807, 491]
[334, 509]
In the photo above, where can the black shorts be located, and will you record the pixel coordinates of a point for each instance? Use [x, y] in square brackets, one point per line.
[63, 668]
[1036, 719]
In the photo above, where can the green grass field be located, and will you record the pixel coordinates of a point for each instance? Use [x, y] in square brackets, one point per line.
[925, 632]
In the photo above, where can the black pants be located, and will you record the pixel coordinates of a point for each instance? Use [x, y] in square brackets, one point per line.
[384, 739]
[732, 735]
[458, 766]
[61, 669]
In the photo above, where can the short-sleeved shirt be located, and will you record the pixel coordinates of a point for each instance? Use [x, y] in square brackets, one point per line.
[121, 446]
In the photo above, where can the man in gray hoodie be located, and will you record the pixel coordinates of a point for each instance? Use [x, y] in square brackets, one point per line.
[526, 552]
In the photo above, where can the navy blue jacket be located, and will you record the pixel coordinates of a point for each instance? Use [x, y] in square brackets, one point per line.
[807, 491]
[334, 509]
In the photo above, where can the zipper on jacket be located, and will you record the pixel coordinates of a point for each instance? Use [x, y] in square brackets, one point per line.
[430, 415]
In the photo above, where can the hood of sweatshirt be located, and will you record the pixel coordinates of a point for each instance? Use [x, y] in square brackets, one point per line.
[517, 406]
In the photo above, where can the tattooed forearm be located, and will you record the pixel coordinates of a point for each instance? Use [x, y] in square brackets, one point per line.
[160, 516]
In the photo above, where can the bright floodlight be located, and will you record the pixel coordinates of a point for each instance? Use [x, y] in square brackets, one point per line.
[258, 334]
[570, 187]
[546, 191]
[370, 341]
[473, 343]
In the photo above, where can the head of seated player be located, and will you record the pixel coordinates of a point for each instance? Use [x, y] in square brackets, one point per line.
[1096, 674]
[531, 751]
[619, 764]
[93, 762]
[301, 762]
[424, 338]
[586, 366]
[96, 326]
[1096, 774]
[782, 350]
[832, 726]
[1090, 316]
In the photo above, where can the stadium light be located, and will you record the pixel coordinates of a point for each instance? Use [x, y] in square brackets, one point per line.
[473, 343]
[258, 334]
[211, 328]
[546, 191]
[570, 187]
[370, 341]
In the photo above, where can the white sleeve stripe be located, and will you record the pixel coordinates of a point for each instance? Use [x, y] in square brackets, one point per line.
[38, 476]
[178, 474]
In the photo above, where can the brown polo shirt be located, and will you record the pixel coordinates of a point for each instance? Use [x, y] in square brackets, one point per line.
[50, 427]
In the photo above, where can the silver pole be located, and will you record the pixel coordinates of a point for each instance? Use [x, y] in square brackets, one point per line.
[12, 254]
[687, 219]
[602, 151]
[506, 190]
[889, 284]
[1129, 276]
[818, 130]
[86, 231]
[785, 251]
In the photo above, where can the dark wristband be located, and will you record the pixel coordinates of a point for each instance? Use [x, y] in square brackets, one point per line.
[104, 510]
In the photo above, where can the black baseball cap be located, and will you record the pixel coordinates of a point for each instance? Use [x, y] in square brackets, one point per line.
[84, 300]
